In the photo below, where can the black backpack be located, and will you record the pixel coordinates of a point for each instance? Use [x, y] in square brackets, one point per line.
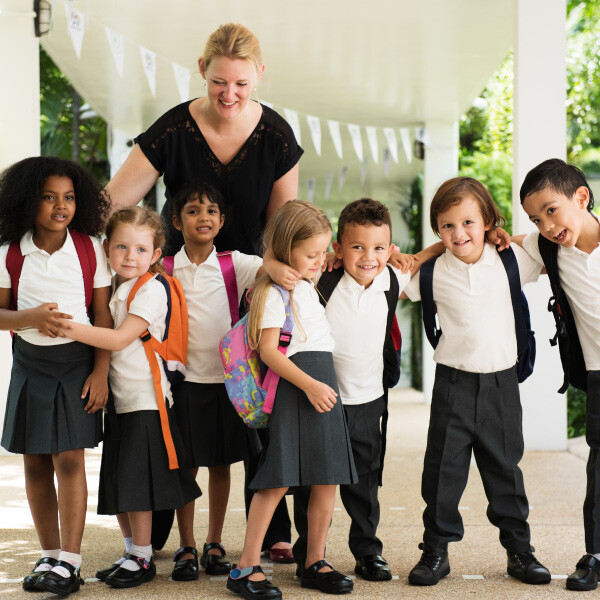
[525, 336]
[571, 354]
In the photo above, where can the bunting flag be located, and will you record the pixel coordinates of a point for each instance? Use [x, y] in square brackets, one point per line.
[363, 171]
[75, 27]
[342, 177]
[182, 77]
[372, 137]
[115, 41]
[149, 64]
[328, 183]
[311, 184]
[336, 136]
[291, 116]
[390, 136]
[387, 161]
[406, 145]
[314, 124]
[356, 140]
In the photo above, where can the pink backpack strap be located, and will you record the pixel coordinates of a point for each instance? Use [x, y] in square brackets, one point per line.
[168, 263]
[228, 271]
[87, 259]
[14, 266]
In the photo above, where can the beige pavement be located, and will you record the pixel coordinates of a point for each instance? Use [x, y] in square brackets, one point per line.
[555, 483]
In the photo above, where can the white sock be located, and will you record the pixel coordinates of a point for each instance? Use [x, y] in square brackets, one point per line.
[47, 554]
[128, 542]
[142, 551]
[71, 558]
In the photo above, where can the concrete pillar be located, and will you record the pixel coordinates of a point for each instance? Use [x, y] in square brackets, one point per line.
[540, 132]
[441, 163]
[120, 144]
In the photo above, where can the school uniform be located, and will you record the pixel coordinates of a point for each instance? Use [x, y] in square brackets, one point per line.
[579, 275]
[44, 409]
[305, 447]
[212, 432]
[135, 473]
[475, 406]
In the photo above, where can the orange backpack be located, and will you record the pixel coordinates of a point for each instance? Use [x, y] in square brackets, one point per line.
[172, 349]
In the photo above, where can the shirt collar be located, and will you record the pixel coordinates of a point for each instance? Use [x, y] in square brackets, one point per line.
[182, 260]
[487, 259]
[28, 247]
[381, 283]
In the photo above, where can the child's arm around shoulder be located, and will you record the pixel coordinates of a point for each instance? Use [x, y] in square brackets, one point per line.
[279, 272]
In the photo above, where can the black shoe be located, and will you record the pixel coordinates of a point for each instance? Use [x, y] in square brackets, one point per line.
[30, 579]
[239, 583]
[373, 568]
[124, 578]
[586, 575]
[432, 567]
[329, 582]
[213, 564]
[526, 567]
[187, 569]
[102, 574]
[57, 584]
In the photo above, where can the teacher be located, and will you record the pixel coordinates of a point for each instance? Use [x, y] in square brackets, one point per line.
[239, 146]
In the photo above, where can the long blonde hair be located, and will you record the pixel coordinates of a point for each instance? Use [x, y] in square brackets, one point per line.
[233, 40]
[293, 223]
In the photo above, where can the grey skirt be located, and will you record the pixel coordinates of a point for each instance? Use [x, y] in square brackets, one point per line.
[306, 447]
[44, 409]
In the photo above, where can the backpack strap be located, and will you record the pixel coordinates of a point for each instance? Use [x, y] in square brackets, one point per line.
[14, 266]
[168, 263]
[432, 331]
[87, 259]
[327, 283]
[228, 271]
[149, 342]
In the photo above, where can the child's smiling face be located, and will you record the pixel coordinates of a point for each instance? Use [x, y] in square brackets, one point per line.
[56, 207]
[364, 250]
[462, 230]
[200, 221]
[130, 250]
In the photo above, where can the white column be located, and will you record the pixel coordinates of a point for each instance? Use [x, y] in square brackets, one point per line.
[540, 132]
[120, 144]
[441, 163]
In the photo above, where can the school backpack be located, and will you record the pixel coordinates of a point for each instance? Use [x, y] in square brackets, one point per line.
[172, 348]
[250, 385]
[85, 253]
[525, 336]
[569, 346]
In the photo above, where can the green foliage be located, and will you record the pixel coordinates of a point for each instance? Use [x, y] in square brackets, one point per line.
[576, 402]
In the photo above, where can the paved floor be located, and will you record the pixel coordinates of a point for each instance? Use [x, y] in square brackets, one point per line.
[555, 482]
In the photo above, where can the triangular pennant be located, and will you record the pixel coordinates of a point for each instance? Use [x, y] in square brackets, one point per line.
[328, 183]
[336, 136]
[75, 27]
[182, 77]
[390, 136]
[149, 64]
[311, 184]
[387, 161]
[406, 145]
[372, 137]
[356, 140]
[314, 124]
[291, 116]
[117, 49]
[342, 177]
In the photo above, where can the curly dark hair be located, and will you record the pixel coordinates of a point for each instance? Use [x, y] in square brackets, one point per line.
[365, 211]
[21, 187]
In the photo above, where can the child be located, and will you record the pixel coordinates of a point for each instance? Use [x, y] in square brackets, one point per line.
[357, 311]
[49, 209]
[558, 200]
[144, 481]
[308, 443]
[475, 407]
[214, 436]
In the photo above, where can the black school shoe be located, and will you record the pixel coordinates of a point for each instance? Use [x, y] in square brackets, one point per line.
[57, 584]
[239, 583]
[526, 567]
[30, 579]
[185, 570]
[586, 575]
[102, 574]
[433, 566]
[124, 578]
[213, 564]
[373, 568]
[329, 582]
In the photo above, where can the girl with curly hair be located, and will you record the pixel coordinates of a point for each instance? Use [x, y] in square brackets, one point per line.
[52, 267]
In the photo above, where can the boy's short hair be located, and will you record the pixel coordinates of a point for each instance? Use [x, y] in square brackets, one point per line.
[364, 212]
[455, 190]
[196, 189]
[558, 175]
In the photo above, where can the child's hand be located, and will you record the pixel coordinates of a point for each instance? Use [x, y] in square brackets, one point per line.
[283, 275]
[498, 237]
[47, 319]
[97, 385]
[321, 396]
[404, 262]
[331, 262]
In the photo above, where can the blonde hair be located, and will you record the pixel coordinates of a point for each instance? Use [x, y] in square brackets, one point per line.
[295, 222]
[140, 217]
[233, 40]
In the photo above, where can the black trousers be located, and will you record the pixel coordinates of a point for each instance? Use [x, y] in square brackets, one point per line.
[479, 414]
[360, 499]
[591, 506]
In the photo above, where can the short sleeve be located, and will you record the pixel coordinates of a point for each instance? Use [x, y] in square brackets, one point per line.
[4, 276]
[529, 269]
[412, 288]
[403, 279]
[102, 276]
[530, 245]
[150, 302]
[274, 314]
[289, 151]
[246, 266]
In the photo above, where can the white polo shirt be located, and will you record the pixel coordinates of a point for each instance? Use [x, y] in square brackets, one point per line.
[56, 278]
[130, 375]
[208, 309]
[358, 320]
[475, 310]
[579, 275]
[311, 332]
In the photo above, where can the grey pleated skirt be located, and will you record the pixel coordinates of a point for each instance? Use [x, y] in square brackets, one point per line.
[44, 409]
[306, 447]
[211, 431]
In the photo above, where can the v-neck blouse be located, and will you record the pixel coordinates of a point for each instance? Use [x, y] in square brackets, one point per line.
[176, 147]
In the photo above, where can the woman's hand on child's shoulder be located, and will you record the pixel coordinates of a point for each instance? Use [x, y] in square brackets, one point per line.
[321, 396]
[498, 237]
[97, 386]
[47, 319]
[402, 261]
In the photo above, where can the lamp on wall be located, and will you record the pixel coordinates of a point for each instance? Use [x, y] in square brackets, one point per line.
[43, 17]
